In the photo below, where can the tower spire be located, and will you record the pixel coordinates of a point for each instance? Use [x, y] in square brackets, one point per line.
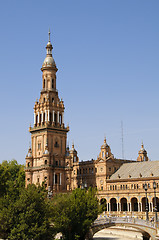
[49, 34]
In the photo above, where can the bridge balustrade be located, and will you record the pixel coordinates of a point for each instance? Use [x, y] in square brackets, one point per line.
[108, 220]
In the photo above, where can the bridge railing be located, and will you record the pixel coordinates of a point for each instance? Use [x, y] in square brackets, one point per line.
[136, 221]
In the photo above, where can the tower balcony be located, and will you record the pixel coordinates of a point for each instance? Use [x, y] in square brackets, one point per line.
[49, 125]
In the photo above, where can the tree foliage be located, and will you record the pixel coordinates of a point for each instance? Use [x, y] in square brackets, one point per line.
[73, 214]
[24, 212]
[12, 176]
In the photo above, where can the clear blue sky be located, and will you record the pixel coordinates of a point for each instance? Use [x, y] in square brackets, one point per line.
[107, 53]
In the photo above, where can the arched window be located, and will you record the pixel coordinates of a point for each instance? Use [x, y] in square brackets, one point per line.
[52, 83]
[43, 118]
[55, 118]
[50, 116]
[36, 119]
[45, 162]
[44, 83]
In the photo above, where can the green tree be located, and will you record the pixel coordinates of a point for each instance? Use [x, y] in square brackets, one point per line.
[12, 176]
[27, 217]
[73, 214]
[24, 212]
[12, 181]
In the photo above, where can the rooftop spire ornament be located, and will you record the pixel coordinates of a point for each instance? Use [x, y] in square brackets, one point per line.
[49, 34]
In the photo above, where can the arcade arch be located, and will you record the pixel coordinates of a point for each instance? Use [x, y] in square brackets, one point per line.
[123, 202]
[134, 204]
[113, 204]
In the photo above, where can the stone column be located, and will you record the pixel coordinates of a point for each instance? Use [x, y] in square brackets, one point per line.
[42, 117]
[57, 116]
[38, 117]
[34, 118]
[63, 118]
[54, 178]
[149, 207]
[141, 206]
[138, 207]
[130, 207]
[48, 115]
[107, 207]
[118, 208]
[152, 207]
[45, 115]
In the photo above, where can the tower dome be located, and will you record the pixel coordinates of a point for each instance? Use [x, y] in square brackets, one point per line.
[49, 62]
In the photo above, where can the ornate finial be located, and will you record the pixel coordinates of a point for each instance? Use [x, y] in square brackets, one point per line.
[49, 34]
[104, 139]
[72, 144]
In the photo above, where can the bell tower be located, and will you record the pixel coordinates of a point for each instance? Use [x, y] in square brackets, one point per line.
[45, 161]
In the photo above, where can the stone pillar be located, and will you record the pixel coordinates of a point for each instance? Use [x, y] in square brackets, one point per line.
[141, 206]
[152, 207]
[118, 209]
[107, 207]
[63, 118]
[57, 116]
[138, 207]
[130, 207]
[34, 118]
[53, 116]
[149, 207]
[48, 115]
[42, 117]
[54, 177]
[38, 117]
[45, 115]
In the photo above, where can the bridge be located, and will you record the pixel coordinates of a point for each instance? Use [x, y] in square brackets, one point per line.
[148, 229]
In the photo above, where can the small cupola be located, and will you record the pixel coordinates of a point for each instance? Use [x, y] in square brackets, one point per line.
[142, 154]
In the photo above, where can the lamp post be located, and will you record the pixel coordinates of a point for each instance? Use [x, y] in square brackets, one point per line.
[49, 194]
[155, 203]
[147, 214]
